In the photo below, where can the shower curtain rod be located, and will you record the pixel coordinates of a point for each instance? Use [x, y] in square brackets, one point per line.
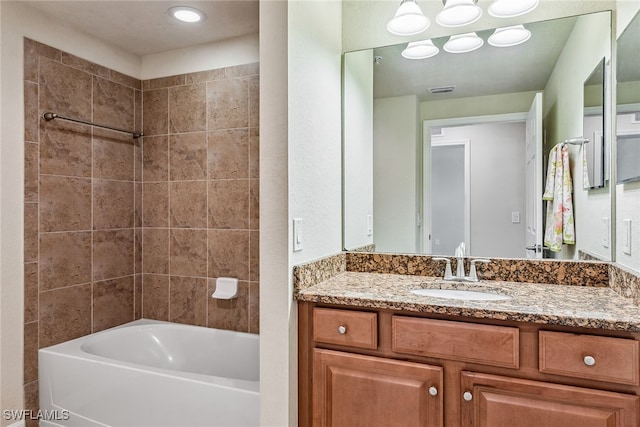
[48, 116]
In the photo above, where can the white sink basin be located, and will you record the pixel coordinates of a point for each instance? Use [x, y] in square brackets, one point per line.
[461, 295]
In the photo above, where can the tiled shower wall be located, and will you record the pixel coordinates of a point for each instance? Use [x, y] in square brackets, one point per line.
[85, 225]
[200, 192]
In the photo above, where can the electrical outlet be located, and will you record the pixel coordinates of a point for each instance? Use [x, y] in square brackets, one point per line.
[626, 236]
[605, 232]
[515, 217]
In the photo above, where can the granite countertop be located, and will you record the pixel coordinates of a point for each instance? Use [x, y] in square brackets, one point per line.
[588, 307]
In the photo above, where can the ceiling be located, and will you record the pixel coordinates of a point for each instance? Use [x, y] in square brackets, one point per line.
[486, 71]
[144, 27]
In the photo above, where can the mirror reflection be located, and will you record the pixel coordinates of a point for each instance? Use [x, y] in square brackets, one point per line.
[628, 104]
[593, 129]
[461, 142]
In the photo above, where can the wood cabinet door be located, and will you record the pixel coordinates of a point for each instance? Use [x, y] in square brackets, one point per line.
[495, 401]
[351, 390]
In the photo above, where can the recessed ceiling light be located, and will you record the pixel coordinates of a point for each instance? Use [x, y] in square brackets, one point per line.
[408, 20]
[187, 14]
[457, 13]
[511, 8]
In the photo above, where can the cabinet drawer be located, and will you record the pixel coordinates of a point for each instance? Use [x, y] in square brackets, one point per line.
[469, 342]
[345, 327]
[589, 356]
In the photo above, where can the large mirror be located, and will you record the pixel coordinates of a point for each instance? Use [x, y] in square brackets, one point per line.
[628, 103]
[456, 147]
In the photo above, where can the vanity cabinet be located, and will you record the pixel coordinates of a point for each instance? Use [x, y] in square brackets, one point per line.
[379, 367]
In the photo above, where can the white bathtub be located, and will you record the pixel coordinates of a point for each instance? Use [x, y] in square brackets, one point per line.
[150, 373]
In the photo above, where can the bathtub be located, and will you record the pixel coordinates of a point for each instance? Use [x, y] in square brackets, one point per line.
[151, 373]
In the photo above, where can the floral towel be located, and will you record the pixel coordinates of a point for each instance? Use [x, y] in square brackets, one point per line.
[558, 188]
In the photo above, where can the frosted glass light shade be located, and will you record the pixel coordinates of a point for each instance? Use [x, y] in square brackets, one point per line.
[463, 43]
[408, 20]
[509, 36]
[420, 50]
[187, 14]
[511, 8]
[457, 13]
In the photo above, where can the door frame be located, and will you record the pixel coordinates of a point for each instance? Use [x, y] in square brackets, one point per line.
[467, 186]
[426, 161]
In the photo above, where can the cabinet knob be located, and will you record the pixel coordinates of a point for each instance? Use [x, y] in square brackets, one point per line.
[342, 330]
[467, 396]
[589, 360]
[433, 391]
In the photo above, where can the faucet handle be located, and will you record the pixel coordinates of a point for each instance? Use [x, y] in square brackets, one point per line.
[447, 268]
[473, 276]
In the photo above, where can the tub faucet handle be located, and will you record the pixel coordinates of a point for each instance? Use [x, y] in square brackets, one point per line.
[447, 268]
[473, 275]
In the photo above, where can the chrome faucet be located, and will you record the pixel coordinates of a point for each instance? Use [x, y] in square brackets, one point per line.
[460, 275]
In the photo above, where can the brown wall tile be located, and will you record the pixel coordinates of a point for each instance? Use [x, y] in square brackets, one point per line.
[183, 117]
[30, 232]
[65, 314]
[254, 153]
[65, 90]
[32, 52]
[155, 256]
[65, 203]
[156, 204]
[137, 247]
[155, 112]
[113, 155]
[254, 307]
[84, 65]
[65, 259]
[31, 113]
[188, 300]
[205, 76]
[137, 202]
[155, 158]
[164, 82]
[243, 70]
[125, 80]
[229, 204]
[113, 104]
[30, 352]
[229, 314]
[228, 104]
[229, 254]
[30, 292]
[31, 172]
[254, 101]
[65, 149]
[189, 252]
[31, 402]
[113, 252]
[228, 154]
[113, 302]
[188, 204]
[188, 156]
[254, 204]
[112, 204]
[137, 297]
[155, 297]
[254, 256]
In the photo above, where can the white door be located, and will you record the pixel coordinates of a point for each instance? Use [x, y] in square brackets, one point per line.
[533, 179]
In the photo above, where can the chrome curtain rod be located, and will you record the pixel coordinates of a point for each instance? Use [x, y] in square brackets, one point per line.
[48, 116]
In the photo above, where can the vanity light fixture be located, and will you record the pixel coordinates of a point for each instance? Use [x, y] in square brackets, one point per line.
[463, 43]
[509, 36]
[420, 50]
[457, 13]
[511, 8]
[408, 20]
[187, 14]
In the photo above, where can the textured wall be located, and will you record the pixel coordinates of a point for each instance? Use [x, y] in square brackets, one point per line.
[80, 210]
[200, 196]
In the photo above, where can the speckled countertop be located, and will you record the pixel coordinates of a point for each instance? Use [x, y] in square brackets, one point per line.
[588, 307]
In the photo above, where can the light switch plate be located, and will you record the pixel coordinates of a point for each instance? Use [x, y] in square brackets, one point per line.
[605, 232]
[626, 236]
[515, 217]
[297, 234]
